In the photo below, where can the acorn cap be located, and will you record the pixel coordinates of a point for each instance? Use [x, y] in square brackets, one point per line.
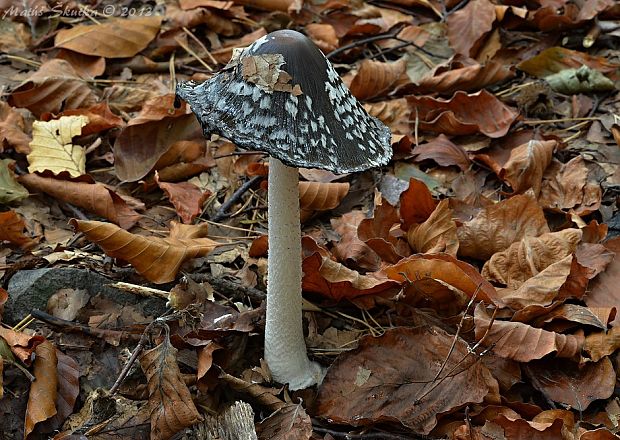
[282, 96]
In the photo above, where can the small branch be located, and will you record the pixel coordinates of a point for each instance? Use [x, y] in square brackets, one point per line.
[76, 327]
[364, 41]
[223, 213]
[230, 288]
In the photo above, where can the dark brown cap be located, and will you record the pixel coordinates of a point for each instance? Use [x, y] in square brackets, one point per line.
[282, 96]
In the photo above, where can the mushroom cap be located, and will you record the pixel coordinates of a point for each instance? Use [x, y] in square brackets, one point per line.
[282, 96]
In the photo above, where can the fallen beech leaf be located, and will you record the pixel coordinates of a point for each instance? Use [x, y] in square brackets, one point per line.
[598, 434]
[436, 234]
[350, 250]
[522, 342]
[170, 401]
[518, 428]
[93, 197]
[323, 35]
[54, 87]
[603, 290]
[395, 113]
[467, 26]
[10, 190]
[288, 423]
[497, 226]
[557, 59]
[68, 372]
[571, 313]
[463, 114]
[100, 118]
[416, 204]
[321, 196]
[601, 344]
[157, 259]
[86, 66]
[186, 197]
[333, 280]
[11, 229]
[464, 74]
[21, 344]
[43, 391]
[526, 258]
[569, 189]
[12, 129]
[571, 384]
[51, 147]
[113, 38]
[376, 79]
[362, 389]
[377, 233]
[527, 164]
[442, 151]
[150, 135]
[445, 268]
[540, 289]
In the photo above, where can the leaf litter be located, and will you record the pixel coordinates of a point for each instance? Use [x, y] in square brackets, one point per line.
[468, 290]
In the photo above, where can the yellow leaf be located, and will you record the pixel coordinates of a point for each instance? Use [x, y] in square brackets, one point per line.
[51, 147]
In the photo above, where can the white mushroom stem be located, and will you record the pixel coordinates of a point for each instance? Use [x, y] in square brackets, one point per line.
[285, 348]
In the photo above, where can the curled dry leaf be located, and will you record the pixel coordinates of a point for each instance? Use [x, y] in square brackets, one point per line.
[395, 113]
[376, 79]
[51, 147]
[21, 344]
[321, 196]
[378, 234]
[170, 401]
[150, 135]
[350, 250]
[10, 190]
[601, 344]
[157, 259]
[463, 114]
[288, 423]
[526, 258]
[571, 384]
[12, 230]
[497, 226]
[68, 390]
[323, 35]
[54, 87]
[86, 66]
[186, 197]
[416, 204]
[113, 38]
[43, 391]
[467, 26]
[527, 164]
[436, 234]
[464, 74]
[93, 197]
[444, 268]
[362, 389]
[100, 118]
[333, 280]
[12, 129]
[442, 151]
[521, 342]
[603, 290]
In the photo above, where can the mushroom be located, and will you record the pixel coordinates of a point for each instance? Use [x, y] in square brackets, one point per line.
[282, 96]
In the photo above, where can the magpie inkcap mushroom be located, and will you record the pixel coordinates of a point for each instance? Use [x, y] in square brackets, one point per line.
[282, 96]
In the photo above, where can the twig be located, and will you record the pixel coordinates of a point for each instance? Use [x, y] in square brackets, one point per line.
[76, 327]
[363, 41]
[223, 213]
[230, 287]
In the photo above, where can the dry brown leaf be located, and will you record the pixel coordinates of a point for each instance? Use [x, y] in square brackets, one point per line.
[186, 198]
[416, 204]
[436, 234]
[21, 344]
[12, 230]
[463, 114]
[521, 342]
[467, 26]
[350, 250]
[157, 259]
[12, 130]
[100, 118]
[526, 258]
[496, 227]
[323, 35]
[527, 164]
[601, 344]
[395, 113]
[603, 290]
[43, 391]
[56, 86]
[150, 135]
[51, 148]
[443, 151]
[464, 74]
[93, 197]
[444, 268]
[377, 232]
[86, 66]
[334, 280]
[362, 389]
[170, 401]
[557, 59]
[571, 384]
[376, 79]
[112, 38]
[288, 423]
[321, 196]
